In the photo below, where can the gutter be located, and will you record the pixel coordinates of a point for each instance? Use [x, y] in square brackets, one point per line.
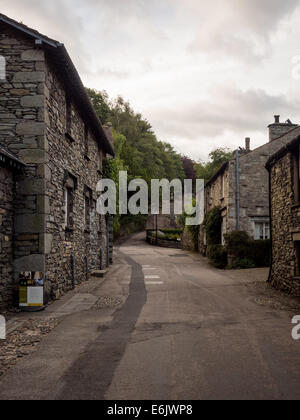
[271, 223]
[238, 196]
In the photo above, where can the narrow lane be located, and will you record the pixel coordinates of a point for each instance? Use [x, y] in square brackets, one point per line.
[183, 331]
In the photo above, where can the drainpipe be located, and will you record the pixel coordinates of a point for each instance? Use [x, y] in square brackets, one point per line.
[238, 197]
[271, 222]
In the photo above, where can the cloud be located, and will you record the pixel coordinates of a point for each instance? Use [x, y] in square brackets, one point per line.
[239, 28]
[203, 73]
[232, 111]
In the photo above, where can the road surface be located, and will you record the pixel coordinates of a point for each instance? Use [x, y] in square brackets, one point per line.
[184, 331]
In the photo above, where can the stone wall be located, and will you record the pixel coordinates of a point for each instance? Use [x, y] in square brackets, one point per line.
[22, 131]
[6, 236]
[187, 240]
[285, 225]
[33, 127]
[67, 156]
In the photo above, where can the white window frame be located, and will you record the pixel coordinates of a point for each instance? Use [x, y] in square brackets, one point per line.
[265, 222]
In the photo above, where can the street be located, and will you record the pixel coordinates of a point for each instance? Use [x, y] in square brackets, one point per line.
[182, 331]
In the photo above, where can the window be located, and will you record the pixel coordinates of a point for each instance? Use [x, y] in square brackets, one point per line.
[86, 141]
[223, 230]
[68, 115]
[261, 230]
[222, 186]
[87, 207]
[296, 159]
[70, 184]
[69, 207]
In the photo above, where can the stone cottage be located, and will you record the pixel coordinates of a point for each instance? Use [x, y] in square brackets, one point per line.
[47, 121]
[284, 170]
[241, 187]
[11, 170]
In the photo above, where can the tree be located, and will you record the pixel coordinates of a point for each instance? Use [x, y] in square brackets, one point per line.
[205, 170]
[136, 145]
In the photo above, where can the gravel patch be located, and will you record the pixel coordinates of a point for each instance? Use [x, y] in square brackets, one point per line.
[23, 341]
[265, 295]
[105, 302]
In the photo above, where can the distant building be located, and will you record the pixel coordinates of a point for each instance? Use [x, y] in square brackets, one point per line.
[284, 170]
[47, 121]
[241, 187]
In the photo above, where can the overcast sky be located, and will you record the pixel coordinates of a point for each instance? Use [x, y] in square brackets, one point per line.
[205, 74]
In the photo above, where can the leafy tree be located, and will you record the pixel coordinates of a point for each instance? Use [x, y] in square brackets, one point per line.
[136, 145]
[216, 159]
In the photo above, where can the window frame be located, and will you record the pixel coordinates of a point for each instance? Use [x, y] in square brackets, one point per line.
[266, 228]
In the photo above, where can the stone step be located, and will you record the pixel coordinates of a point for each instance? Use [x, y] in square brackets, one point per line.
[99, 273]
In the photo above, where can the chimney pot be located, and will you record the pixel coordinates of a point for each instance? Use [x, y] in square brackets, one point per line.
[277, 119]
[247, 143]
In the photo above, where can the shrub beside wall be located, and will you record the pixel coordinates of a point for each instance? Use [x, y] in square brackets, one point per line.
[217, 255]
[244, 252]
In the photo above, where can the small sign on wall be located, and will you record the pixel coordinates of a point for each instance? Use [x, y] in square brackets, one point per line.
[31, 289]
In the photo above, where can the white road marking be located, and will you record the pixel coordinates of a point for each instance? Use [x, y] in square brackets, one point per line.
[127, 283]
[152, 277]
[153, 282]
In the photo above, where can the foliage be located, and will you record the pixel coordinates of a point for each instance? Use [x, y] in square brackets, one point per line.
[172, 231]
[213, 223]
[217, 255]
[205, 170]
[242, 263]
[246, 252]
[188, 167]
[137, 150]
[143, 154]
[260, 252]
[238, 243]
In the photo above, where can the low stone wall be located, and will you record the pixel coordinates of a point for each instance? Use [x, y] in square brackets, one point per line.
[187, 241]
[162, 242]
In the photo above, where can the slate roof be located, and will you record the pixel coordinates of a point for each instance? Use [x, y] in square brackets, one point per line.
[60, 57]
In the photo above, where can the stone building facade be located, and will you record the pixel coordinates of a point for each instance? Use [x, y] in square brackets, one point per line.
[11, 169]
[284, 171]
[241, 187]
[47, 121]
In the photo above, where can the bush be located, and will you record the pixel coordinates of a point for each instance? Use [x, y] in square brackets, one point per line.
[260, 252]
[217, 255]
[213, 223]
[172, 231]
[246, 252]
[242, 263]
[238, 244]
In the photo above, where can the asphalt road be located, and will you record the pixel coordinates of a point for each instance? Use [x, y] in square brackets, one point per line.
[183, 331]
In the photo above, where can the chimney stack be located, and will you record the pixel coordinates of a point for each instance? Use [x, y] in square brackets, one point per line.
[247, 142]
[278, 129]
[108, 131]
